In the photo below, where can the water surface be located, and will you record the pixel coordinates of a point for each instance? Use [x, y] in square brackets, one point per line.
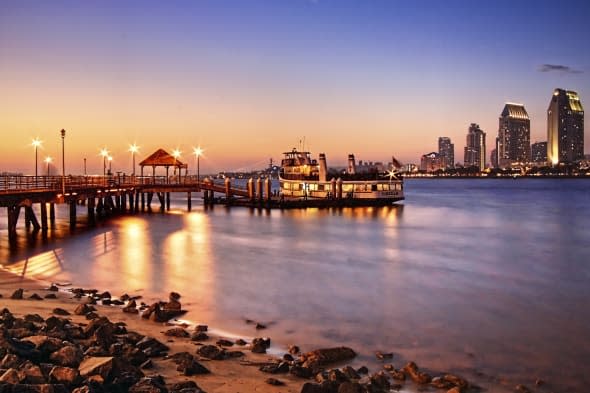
[488, 278]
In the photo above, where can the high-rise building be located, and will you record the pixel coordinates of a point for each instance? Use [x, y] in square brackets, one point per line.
[447, 150]
[432, 162]
[539, 152]
[475, 149]
[565, 127]
[494, 157]
[514, 136]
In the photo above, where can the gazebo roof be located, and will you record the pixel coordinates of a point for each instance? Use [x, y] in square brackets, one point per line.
[161, 158]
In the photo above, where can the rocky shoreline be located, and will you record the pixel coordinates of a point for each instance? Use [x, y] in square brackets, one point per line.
[76, 341]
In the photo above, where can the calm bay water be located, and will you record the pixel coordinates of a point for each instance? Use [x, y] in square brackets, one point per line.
[487, 278]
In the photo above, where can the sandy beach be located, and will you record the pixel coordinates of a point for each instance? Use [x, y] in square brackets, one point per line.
[230, 375]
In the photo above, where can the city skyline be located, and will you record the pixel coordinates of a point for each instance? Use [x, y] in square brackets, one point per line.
[249, 80]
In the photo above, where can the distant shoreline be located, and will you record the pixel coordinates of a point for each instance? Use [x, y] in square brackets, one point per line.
[495, 177]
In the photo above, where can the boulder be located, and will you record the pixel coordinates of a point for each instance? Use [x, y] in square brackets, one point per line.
[64, 375]
[212, 352]
[154, 384]
[199, 336]
[83, 309]
[274, 382]
[191, 367]
[31, 373]
[17, 295]
[96, 365]
[177, 332]
[185, 387]
[35, 297]
[11, 376]
[327, 356]
[411, 369]
[67, 356]
[60, 311]
[152, 347]
[224, 343]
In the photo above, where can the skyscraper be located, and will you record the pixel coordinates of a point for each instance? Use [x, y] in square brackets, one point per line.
[432, 162]
[475, 149]
[565, 127]
[446, 150]
[539, 153]
[514, 136]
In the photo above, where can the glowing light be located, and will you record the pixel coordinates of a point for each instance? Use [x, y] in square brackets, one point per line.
[176, 153]
[133, 148]
[197, 151]
[104, 152]
[48, 160]
[36, 143]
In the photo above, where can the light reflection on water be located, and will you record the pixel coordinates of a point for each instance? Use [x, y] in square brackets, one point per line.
[467, 275]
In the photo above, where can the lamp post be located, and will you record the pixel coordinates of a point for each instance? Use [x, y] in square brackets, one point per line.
[110, 165]
[63, 162]
[198, 151]
[47, 161]
[176, 154]
[36, 143]
[104, 153]
[133, 149]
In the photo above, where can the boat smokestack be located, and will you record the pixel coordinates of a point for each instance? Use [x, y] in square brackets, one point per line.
[323, 168]
[351, 165]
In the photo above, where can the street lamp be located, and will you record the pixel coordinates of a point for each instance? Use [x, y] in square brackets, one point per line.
[63, 162]
[104, 153]
[198, 151]
[48, 161]
[133, 149]
[110, 158]
[176, 154]
[36, 143]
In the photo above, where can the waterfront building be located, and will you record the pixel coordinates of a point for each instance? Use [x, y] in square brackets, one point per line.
[513, 145]
[475, 149]
[432, 162]
[565, 127]
[494, 157]
[539, 153]
[446, 149]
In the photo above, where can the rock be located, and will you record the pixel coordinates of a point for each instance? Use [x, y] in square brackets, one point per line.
[260, 326]
[45, 344]
[539, 382]
[350, 373]
[52, 323]
[411, 369]
[60, 311]
[104, 295]
[148, 364]
[212, 352]
[92, 316]
[199, 336]
[152, 347]
[326, 356]
[50, 296]
[224, 343]
[274, 382]
[454, 390]
[153, 384]
[398, 375]
[350, 387]
[174, 296]
[382, 356]
[176, 332]
[362, 370]
[191, 367]
[456, 381]
[201, 328]
[35, 297]
[185, 387]
[31, 373]
[259, 345]
[64, 375]
[301, 371]
[131, 307]
[294, 349]
[53, 288]
[34, 318]
[10, 361]
[83, 309]
[68, 356]
[96, 366]
[17, 295]
[380, 381]
[288, 357]
[278, 368]
[10, 376]
[240, 342]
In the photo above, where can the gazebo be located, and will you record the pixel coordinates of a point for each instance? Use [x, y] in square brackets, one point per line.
[161, 158]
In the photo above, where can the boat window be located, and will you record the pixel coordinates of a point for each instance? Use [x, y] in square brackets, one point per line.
[346, 187]
[374, 187]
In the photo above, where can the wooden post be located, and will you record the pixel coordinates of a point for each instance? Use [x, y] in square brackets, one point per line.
[27, 218]
[150, 196]
[267, 189]
[189, 201]
[12, 212]
[44, 225]
[131, 205]
[123, 202]
[100, 207]
[168, 201]
[91, 216]
[72, 214]
[52, 214]
[259, 191]
[227, 189]
[143, 201]
[251, 189]
[30, 215]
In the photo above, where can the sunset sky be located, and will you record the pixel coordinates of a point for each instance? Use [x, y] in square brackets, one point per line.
[247, 80]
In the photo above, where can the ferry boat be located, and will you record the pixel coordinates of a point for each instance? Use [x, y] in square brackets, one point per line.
[302, 177]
